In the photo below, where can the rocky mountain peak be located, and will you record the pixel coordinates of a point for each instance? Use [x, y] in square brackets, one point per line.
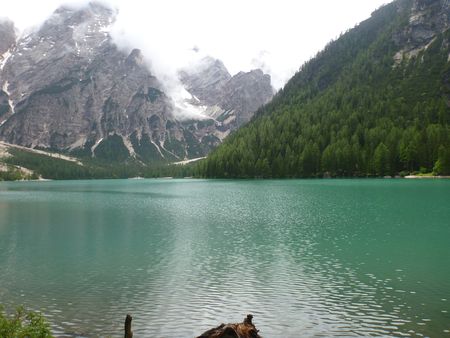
[81, 30]
[235, 98]
[93, 13]
[246, 92]
[254, 74]
[69, 87]
[205, 79]
[208, 63]
[61, 49]
[66, 86]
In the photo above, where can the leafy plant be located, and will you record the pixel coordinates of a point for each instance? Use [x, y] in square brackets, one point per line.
[23, 324]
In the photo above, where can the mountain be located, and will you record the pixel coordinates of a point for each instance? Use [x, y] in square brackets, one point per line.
[243, 95]
[7, 36]
[7, 41]
[231, 100]
[67, 87]
[373, 102]
[206, 80]
[70, 88]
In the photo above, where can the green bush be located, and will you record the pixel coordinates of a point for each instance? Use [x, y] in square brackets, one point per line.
[11, 174]
[442, 165]
[23, 324]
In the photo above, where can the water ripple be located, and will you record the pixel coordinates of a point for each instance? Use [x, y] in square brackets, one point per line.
[182, 256]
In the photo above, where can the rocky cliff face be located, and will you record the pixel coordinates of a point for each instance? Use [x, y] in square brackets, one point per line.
[7, 41]
[232, 100]
[206, 80]
[427, 19]
[244, 94]
[70, 88]
[67, 87]
[7, 37]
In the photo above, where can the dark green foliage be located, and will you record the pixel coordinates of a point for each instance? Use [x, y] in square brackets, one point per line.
[194, 148]
[58, 169]
[149, 152]
[442, 166]
[175, 147]
[173, 170]
[144, 148]
[84, 151]
[13, 174]
[209, 142]
[350, 111]
[23, 324]
[112, 149]
[49, 167]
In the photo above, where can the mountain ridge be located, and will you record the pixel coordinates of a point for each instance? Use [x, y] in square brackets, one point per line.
[365, 105]
[67, 87]
[233, 99]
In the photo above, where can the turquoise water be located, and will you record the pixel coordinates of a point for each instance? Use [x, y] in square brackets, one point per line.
[308, 258]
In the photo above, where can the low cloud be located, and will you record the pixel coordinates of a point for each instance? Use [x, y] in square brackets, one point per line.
[275, 35]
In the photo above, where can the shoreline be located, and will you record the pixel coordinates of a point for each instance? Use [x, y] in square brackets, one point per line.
[425, 177]
[40, 179]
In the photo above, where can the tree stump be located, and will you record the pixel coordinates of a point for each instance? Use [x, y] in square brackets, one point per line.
[246, 329]
[128, 332]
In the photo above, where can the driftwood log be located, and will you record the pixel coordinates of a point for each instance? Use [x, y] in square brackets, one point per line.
[246, 329]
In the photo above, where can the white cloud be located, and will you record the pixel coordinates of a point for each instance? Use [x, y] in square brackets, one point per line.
[279, 34]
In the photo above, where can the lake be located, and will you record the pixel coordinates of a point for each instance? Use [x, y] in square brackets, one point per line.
[307, 258]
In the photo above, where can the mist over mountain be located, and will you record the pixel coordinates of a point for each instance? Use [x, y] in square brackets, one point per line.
[68, 87]
[231, 100]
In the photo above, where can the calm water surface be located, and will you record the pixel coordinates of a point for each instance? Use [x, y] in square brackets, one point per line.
[310, 258]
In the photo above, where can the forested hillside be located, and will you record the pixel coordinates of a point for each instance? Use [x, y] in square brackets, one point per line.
[373, 102]
[20, 163]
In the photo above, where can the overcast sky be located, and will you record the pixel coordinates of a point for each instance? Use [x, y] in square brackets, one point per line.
[279, 35]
